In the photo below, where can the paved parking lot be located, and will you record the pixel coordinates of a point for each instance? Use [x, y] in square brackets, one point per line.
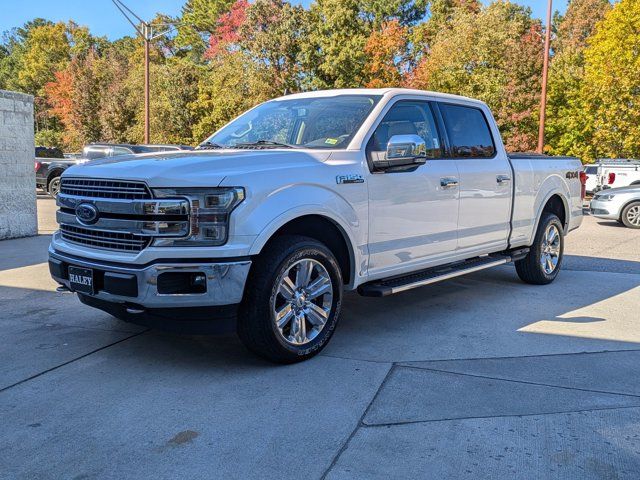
[478, 377]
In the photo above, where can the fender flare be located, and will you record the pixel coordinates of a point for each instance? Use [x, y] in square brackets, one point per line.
[564, 195]
[305, 210]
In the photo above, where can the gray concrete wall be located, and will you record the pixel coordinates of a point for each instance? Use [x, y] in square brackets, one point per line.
[17, 176]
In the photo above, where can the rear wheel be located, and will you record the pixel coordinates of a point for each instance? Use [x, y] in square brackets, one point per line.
[631, 215]
[54, 187]
[542, 263]
[292, 300]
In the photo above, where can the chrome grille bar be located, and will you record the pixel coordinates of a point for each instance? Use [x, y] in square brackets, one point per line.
[143, 228]
[106, 240]
[117, 189]
[126, 217]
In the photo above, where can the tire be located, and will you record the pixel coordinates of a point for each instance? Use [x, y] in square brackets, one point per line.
[531, 268]
[53, 187]
[631, 215]
[274, 289]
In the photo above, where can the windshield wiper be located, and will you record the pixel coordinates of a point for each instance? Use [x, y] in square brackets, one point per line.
[209, 146]
[263, 144]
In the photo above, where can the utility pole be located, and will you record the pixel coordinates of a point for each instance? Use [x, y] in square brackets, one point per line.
[545, 74]
[146, 31]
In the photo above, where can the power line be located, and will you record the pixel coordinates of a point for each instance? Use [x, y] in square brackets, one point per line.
[148, 32]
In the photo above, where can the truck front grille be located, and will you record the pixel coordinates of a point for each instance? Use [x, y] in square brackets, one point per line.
[117, 189]
[99, 239]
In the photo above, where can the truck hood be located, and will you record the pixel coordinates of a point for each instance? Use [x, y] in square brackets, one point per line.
[206, 168]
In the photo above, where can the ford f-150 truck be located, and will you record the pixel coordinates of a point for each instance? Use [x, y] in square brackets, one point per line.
[300, 198]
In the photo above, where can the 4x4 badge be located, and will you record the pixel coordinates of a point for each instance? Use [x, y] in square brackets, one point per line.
[351, 178]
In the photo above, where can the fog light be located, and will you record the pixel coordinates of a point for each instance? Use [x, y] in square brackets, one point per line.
[182, 283]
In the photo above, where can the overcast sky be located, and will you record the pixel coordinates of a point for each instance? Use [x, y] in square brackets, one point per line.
[103, 18]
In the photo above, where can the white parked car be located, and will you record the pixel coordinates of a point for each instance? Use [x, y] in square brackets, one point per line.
[301, 198]
[620, 204]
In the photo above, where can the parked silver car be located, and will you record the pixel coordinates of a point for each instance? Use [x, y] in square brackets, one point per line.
[621, 204]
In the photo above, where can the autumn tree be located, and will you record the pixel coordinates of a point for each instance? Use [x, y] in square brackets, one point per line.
[494, 55]
[611, 85]
[198, 22]
[386, 51]
[272, 36]
[568, 127]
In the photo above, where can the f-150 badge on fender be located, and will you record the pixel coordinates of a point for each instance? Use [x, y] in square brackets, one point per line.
[352, 178]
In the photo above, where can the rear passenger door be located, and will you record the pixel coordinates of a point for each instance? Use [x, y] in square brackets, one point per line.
[485, 179]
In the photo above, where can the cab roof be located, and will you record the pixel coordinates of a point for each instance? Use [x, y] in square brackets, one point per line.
[391, 92]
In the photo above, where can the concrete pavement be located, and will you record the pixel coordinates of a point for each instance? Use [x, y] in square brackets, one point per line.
[477, 377]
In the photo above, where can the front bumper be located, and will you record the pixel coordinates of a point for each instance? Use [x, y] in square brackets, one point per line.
[604, 209]
[137, 285]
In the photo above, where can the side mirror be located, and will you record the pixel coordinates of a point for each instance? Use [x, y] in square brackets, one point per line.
[403, 150]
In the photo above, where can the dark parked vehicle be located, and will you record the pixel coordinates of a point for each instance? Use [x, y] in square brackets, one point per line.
[49, 170]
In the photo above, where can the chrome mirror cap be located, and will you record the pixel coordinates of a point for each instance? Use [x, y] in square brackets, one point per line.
[403, 150]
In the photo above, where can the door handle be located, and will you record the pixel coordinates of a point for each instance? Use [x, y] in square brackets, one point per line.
[448, 182]
[503, 178]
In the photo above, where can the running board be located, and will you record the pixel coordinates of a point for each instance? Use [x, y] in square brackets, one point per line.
[388, 286]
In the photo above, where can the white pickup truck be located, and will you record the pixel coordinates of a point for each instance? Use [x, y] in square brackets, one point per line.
[267, 223]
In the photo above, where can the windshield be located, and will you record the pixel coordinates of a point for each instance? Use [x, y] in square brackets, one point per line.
[319, 122]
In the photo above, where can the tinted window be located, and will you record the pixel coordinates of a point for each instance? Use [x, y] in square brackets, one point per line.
[591, 170]
[468, 131]
[407, 118]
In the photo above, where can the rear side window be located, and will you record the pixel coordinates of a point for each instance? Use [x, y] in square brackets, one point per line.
[468, 131]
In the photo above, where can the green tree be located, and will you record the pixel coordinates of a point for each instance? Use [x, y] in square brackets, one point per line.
[231, 84]
[333, 52]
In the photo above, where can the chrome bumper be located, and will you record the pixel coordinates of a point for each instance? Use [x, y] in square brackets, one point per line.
[224, 285]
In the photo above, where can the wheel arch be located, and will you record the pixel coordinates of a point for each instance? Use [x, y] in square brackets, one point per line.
[319, 226]
[556, 203]
[55, 172]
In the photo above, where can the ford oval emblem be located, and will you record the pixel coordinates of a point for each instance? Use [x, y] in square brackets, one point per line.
[87, 213]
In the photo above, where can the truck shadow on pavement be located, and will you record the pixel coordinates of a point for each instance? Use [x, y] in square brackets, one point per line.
[487, 314]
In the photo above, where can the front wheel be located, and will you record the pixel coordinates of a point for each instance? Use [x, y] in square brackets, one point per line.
[54, 187]
[542, 263]
[292, 300]
[631, 215]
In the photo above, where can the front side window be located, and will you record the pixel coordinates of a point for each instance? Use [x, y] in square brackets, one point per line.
[407, 118]
[468, 131]
[314, 122]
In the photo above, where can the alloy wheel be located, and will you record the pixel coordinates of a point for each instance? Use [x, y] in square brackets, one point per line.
[303, 301]
[550, 254]
[633, 215]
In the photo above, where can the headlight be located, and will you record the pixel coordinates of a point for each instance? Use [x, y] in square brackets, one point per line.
[210, 210]
[604, 197]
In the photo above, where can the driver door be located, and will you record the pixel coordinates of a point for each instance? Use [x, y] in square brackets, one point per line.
[413, 212]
